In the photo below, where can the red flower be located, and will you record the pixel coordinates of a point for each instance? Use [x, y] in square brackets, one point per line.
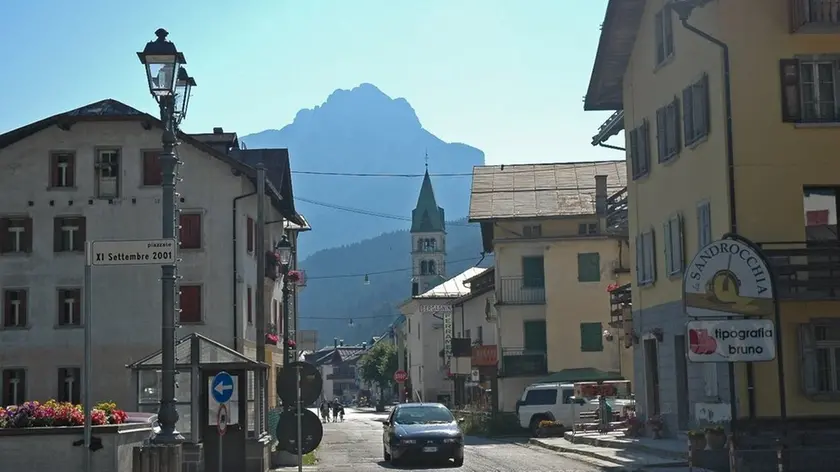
[611, 287]
[292, 343]
[294, 276]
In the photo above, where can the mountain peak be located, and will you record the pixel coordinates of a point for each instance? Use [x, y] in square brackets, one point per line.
[364, 104]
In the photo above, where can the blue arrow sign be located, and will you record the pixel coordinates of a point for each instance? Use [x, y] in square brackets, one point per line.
[222, 387]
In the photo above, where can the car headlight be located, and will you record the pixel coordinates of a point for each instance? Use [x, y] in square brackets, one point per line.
[408, 441]
[452, 440]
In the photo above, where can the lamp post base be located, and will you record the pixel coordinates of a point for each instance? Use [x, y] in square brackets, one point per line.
[157, 458]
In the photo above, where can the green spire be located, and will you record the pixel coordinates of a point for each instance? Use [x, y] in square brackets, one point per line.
[427, 217]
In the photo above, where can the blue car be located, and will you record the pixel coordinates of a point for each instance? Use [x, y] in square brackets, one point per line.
[422, 431]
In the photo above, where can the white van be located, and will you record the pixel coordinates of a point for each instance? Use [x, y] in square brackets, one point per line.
[550, 402]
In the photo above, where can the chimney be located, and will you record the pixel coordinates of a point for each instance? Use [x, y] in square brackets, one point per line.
[341, 343]
[335, 343]
[601, 195]
[218, 130]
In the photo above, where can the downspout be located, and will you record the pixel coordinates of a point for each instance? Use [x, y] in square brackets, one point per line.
[730, 165]
[610, 146]
[236, 274]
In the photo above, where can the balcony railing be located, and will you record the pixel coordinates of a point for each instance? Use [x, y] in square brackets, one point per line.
[342, 375]
[617, 222]
[814, 16]
[521, 291]
[805, 271]
[520, 361]
[620, 298]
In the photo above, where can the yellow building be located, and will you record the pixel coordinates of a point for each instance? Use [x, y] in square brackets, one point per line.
[756, 157]
[555, 257]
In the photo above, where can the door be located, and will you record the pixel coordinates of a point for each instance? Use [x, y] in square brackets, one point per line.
[534, 335]
[233, 442]
[652, 377]
[681, 364]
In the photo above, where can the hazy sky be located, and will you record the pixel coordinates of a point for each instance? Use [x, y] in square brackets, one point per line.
[505, 76]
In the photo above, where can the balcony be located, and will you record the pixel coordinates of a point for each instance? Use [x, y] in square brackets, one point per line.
[620, 300]
[805, 271]
[617, 222]
[519, 291]
[519, 362]
[814, 16]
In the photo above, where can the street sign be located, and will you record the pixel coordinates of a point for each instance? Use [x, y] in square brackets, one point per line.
[311, 384]
[312, 431]
[222, 388]
[131, 252]
[400, 376]
[222, 420]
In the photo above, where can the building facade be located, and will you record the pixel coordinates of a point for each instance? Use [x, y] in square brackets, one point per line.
[554, 261]
[92, 174]
[742, 143]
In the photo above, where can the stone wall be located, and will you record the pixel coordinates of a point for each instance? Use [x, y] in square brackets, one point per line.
[53, 449]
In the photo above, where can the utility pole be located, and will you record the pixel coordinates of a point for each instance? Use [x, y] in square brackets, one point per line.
[260, 404]
[398, 332]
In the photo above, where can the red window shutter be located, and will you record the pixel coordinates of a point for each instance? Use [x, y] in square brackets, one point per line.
[791, 100]
[8, 319]
[57, 243]
[151, 168]
[77, 307]
[54, 175]
[249, 234]
[249, 309]
[71, 170]
[190, 232]
[5, 240]
[190, 301]
[27, 235]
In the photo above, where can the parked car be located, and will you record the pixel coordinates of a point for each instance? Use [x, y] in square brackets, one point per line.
[422, 431]
[550, 402]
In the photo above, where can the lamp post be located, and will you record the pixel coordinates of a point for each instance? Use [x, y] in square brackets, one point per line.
[170, 85]
[284, 253]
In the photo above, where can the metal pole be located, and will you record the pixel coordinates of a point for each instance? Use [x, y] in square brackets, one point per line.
[259, 405]
[167, 414]
[88, 367]
[221, 456]
[299, 423]
[286, 317]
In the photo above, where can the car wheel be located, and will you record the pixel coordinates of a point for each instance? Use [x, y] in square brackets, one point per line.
[459, 462]
[535, 425]
[385, 454]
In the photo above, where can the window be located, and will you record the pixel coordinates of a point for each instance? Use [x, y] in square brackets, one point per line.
[589, 267]
[810, 90]
[14, 308]
[704, 224]
[645, 258]
[532, 231]
[16, 235]
[432, 268]
[107, 173]
[69, 307]
[664, 34]
[533, 272]
[479, 334]
[69, 234]
[591, 337]
[820, 356]
[62, 170]
[468, 334]
[249, 307]
[249, 235]
[426, 245]
[189, 234]
[668, 131]
[14, 387]
[190, 303]
[673, 239]
[69, 385]
[695, 99]
[639, 139]
[541, 396]
[151, 168]
[587, 229]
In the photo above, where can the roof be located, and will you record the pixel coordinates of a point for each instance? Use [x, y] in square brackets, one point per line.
[116, 111]
[541, 190]
[278, 170]
[618, 36]
[454, 287]
[427, 217]
[338, 355]
[304, 226]
[210, 353]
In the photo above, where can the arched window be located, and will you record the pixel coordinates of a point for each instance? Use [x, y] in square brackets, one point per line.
[420, 245]
[432, 245]
[424, 268]
[432, 268]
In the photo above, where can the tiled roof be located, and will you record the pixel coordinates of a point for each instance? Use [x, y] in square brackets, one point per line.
[454, 287]
[541, 190]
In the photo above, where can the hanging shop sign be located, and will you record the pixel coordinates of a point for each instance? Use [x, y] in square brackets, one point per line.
[731, 340]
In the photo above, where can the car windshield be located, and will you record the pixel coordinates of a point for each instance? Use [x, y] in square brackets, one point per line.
[423, 415]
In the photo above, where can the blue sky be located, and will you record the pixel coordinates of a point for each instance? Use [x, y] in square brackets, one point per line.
[505, 76]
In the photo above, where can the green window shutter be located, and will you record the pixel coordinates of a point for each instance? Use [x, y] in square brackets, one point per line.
[534, 336]
[808, 360]
[533, 272]
[666, 230]
[591, 338]
[589, 267]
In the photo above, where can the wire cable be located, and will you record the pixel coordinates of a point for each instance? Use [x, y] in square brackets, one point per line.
[376, 272]
[361, 211]
[548, 166]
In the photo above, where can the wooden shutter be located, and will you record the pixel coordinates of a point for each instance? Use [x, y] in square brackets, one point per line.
[659, 38]
[249, 309]
[644, 144]
[81, 235]
[58, 245]
[688, 115]
[808, 359]
[54, 174]
[27, 235]
[8, 319]
[679, 251]
[661, 134]
[190, 231]
[591, 337]
[675, 123]
[640, 265]
[589, 267]
[533, 272]
[249, 234]
[791, 98]
[151, 168]
[633, 148]
[190, 302]
[77, 307]
[668, 249]
[5, 239]
[77, 386]
[24, 306]
[71, 169]
[705, 104]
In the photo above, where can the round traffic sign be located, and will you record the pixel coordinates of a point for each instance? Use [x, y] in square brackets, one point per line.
[310, 384]
[400, 376]
[222, 419]
[312, 431]
[222, 387]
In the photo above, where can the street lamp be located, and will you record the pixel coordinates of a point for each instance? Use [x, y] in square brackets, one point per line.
[170, 85]
[284, 253]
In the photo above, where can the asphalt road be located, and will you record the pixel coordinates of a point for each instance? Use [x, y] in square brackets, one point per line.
[356, 444]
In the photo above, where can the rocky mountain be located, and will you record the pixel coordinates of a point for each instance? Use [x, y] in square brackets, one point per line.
[357, 131]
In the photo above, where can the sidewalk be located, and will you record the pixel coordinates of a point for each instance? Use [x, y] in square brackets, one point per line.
[624, 454]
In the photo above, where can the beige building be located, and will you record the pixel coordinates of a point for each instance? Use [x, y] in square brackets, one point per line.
[555, 258]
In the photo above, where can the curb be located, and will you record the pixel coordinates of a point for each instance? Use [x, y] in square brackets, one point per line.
[628, 446]
[617, 467]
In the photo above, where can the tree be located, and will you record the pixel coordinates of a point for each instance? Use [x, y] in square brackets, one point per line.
[377, 366]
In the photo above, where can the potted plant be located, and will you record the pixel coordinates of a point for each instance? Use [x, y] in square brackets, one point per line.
[697, 440]
[550, 429]
[657, 426]
[294, 276]
[716, 437]
[271, 338]
[635, 427]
